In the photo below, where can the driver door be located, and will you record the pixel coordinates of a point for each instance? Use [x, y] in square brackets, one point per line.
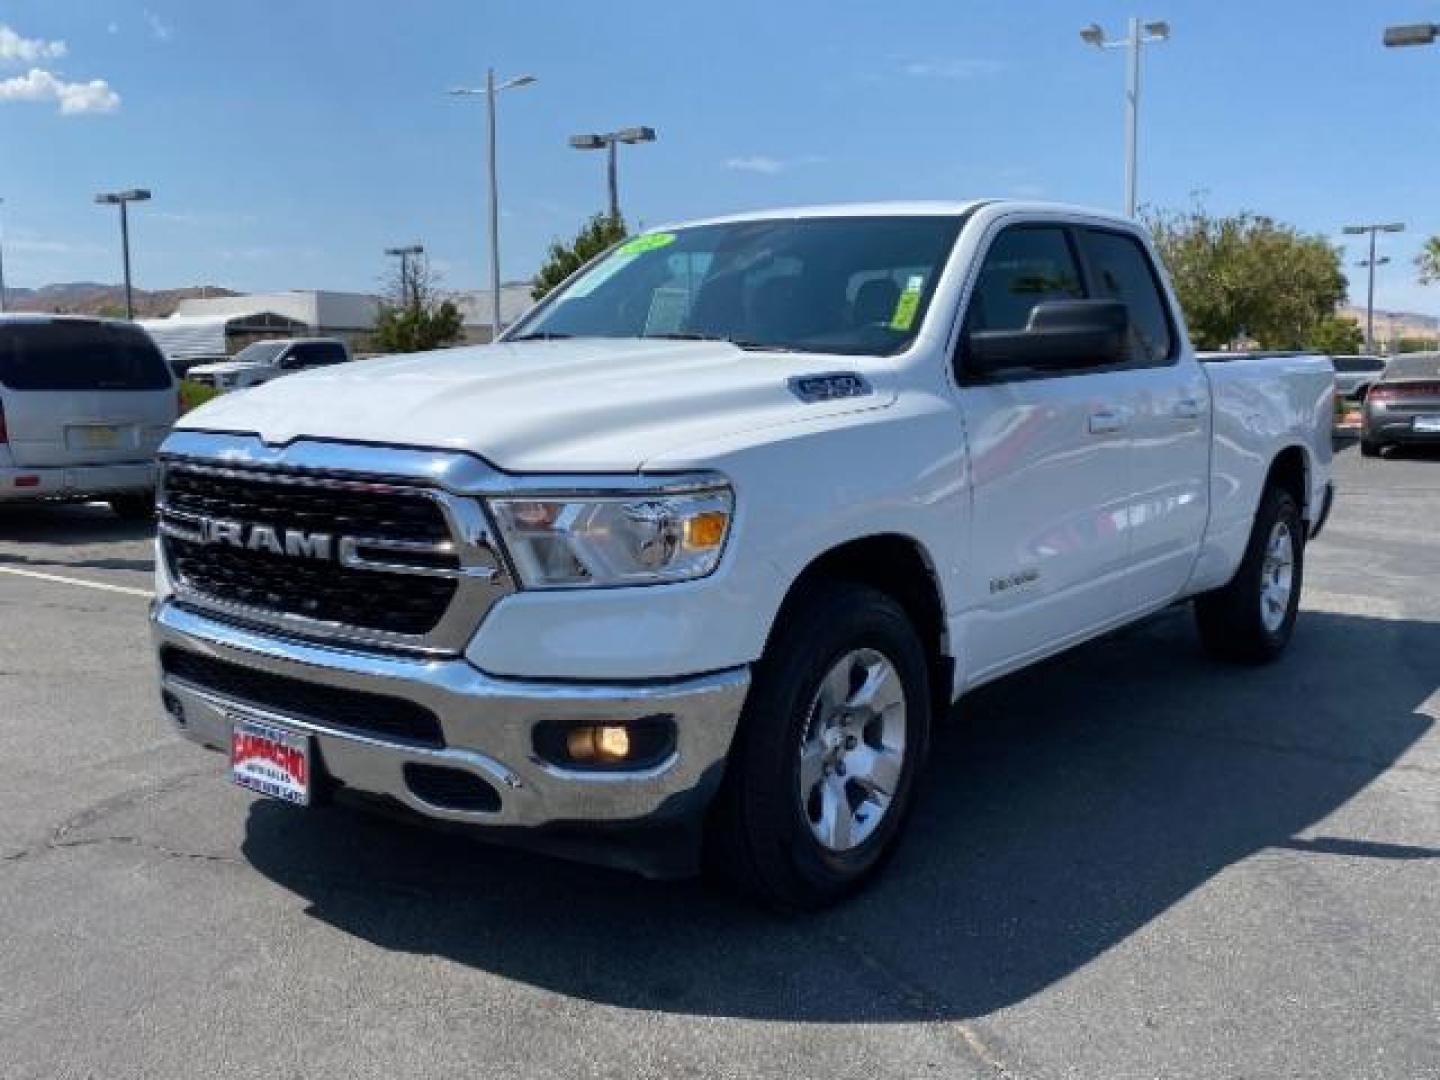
[1050, 467]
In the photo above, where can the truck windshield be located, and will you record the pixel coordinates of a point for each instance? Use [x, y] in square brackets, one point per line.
[260, 352]
[856, 285]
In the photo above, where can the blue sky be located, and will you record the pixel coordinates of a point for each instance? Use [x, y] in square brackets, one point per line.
[289, 141]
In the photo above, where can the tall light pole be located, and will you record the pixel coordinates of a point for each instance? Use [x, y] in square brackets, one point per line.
[405, 254]
[2, 266]
[609, 141]
[1358, 230]
[1140, 34]
[123, 199]
[489, 91]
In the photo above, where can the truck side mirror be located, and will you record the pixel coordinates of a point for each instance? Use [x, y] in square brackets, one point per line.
[1061, 335]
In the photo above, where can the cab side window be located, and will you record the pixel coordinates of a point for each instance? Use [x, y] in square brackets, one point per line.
[1120, 269]
[1025, 266]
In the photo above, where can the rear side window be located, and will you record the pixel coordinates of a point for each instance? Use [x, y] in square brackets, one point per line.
[1120, 270]
[80, 356]
[318, 354]
[1354, 365]
[1025, 266]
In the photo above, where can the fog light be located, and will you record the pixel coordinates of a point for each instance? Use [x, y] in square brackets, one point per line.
[621, 746]
[607, 744]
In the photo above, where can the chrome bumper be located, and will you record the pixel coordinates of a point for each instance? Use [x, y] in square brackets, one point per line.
[487, 723]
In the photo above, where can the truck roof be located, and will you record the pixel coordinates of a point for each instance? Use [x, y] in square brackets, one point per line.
[907, 208]
[47, 317]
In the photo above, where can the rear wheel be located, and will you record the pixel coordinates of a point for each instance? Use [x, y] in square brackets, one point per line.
[823, 771]
[1251, 619]
[134, 506]
[1370, 448]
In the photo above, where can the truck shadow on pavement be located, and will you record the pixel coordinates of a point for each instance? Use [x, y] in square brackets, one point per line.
[1066, 808]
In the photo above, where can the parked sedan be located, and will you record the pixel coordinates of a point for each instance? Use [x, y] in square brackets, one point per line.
[1404, 406]
[1354, 375]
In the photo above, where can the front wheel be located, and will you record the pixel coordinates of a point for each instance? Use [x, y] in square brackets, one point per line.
[1370, 448]
[823, 771]
[1251, 619]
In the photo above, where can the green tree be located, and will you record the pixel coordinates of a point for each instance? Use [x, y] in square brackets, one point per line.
[1428, 261]
[598, 234]
[1415, 344]
[1248, 276]
[1336, 336]
[413, 317]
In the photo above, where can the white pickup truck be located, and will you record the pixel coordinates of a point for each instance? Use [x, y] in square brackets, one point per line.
[682, 571]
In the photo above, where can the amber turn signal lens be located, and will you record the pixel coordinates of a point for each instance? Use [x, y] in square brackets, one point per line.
[606, 744]
[705, 530]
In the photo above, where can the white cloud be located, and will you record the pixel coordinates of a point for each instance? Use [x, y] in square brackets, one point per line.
[769, 166]
[952, 69]
[14, 48]
[756, 163]
[73, 97]
[159, 28]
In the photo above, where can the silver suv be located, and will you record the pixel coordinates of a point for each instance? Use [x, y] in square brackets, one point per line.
[84, 404]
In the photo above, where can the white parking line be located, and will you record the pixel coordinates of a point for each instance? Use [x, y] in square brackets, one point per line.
[102, 586]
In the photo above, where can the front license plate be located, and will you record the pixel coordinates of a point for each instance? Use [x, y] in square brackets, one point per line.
[1428, 423]
[271, 761]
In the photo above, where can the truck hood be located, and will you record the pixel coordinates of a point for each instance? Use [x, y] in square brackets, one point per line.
[559, 406]
[228, 367]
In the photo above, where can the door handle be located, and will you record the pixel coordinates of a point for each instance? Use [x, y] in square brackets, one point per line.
[1186, 409]
[1106, 422]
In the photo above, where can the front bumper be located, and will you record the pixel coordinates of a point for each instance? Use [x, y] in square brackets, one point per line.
[19, 484]
[488, 729]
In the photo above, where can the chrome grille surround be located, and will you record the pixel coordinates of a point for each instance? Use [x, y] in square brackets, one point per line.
[470, 557]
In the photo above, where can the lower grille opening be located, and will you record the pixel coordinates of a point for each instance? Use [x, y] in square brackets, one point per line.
[451, 789]
[394, 719]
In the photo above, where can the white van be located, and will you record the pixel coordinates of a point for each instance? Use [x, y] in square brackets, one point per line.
[84, 404]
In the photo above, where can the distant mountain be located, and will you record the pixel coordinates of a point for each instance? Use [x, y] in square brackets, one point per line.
[93, 298]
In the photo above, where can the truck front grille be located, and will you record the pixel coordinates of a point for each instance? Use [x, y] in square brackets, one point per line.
[326, 556]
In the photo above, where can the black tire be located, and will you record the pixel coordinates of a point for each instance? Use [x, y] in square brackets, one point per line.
[1230, 619]
[759, 837]
[134, 506]
[1369, 448]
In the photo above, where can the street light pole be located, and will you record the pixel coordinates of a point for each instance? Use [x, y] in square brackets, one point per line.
[406, 282]
[123, 199]
[609, 141]
[2, 266]
[1138, 36]
[1358, 230]
[489, 93]
[612, 178]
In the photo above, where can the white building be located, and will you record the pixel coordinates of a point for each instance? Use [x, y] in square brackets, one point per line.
[212, 328]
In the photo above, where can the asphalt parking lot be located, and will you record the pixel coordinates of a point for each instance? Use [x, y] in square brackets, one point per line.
[1130, 862]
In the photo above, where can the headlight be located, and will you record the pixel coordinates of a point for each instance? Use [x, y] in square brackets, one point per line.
[623, 539]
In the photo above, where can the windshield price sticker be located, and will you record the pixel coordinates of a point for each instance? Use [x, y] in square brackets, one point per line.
[908, 304]
[649, 242]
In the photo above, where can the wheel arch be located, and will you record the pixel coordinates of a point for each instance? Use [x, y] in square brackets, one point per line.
[900, 566]
[1290, 471]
